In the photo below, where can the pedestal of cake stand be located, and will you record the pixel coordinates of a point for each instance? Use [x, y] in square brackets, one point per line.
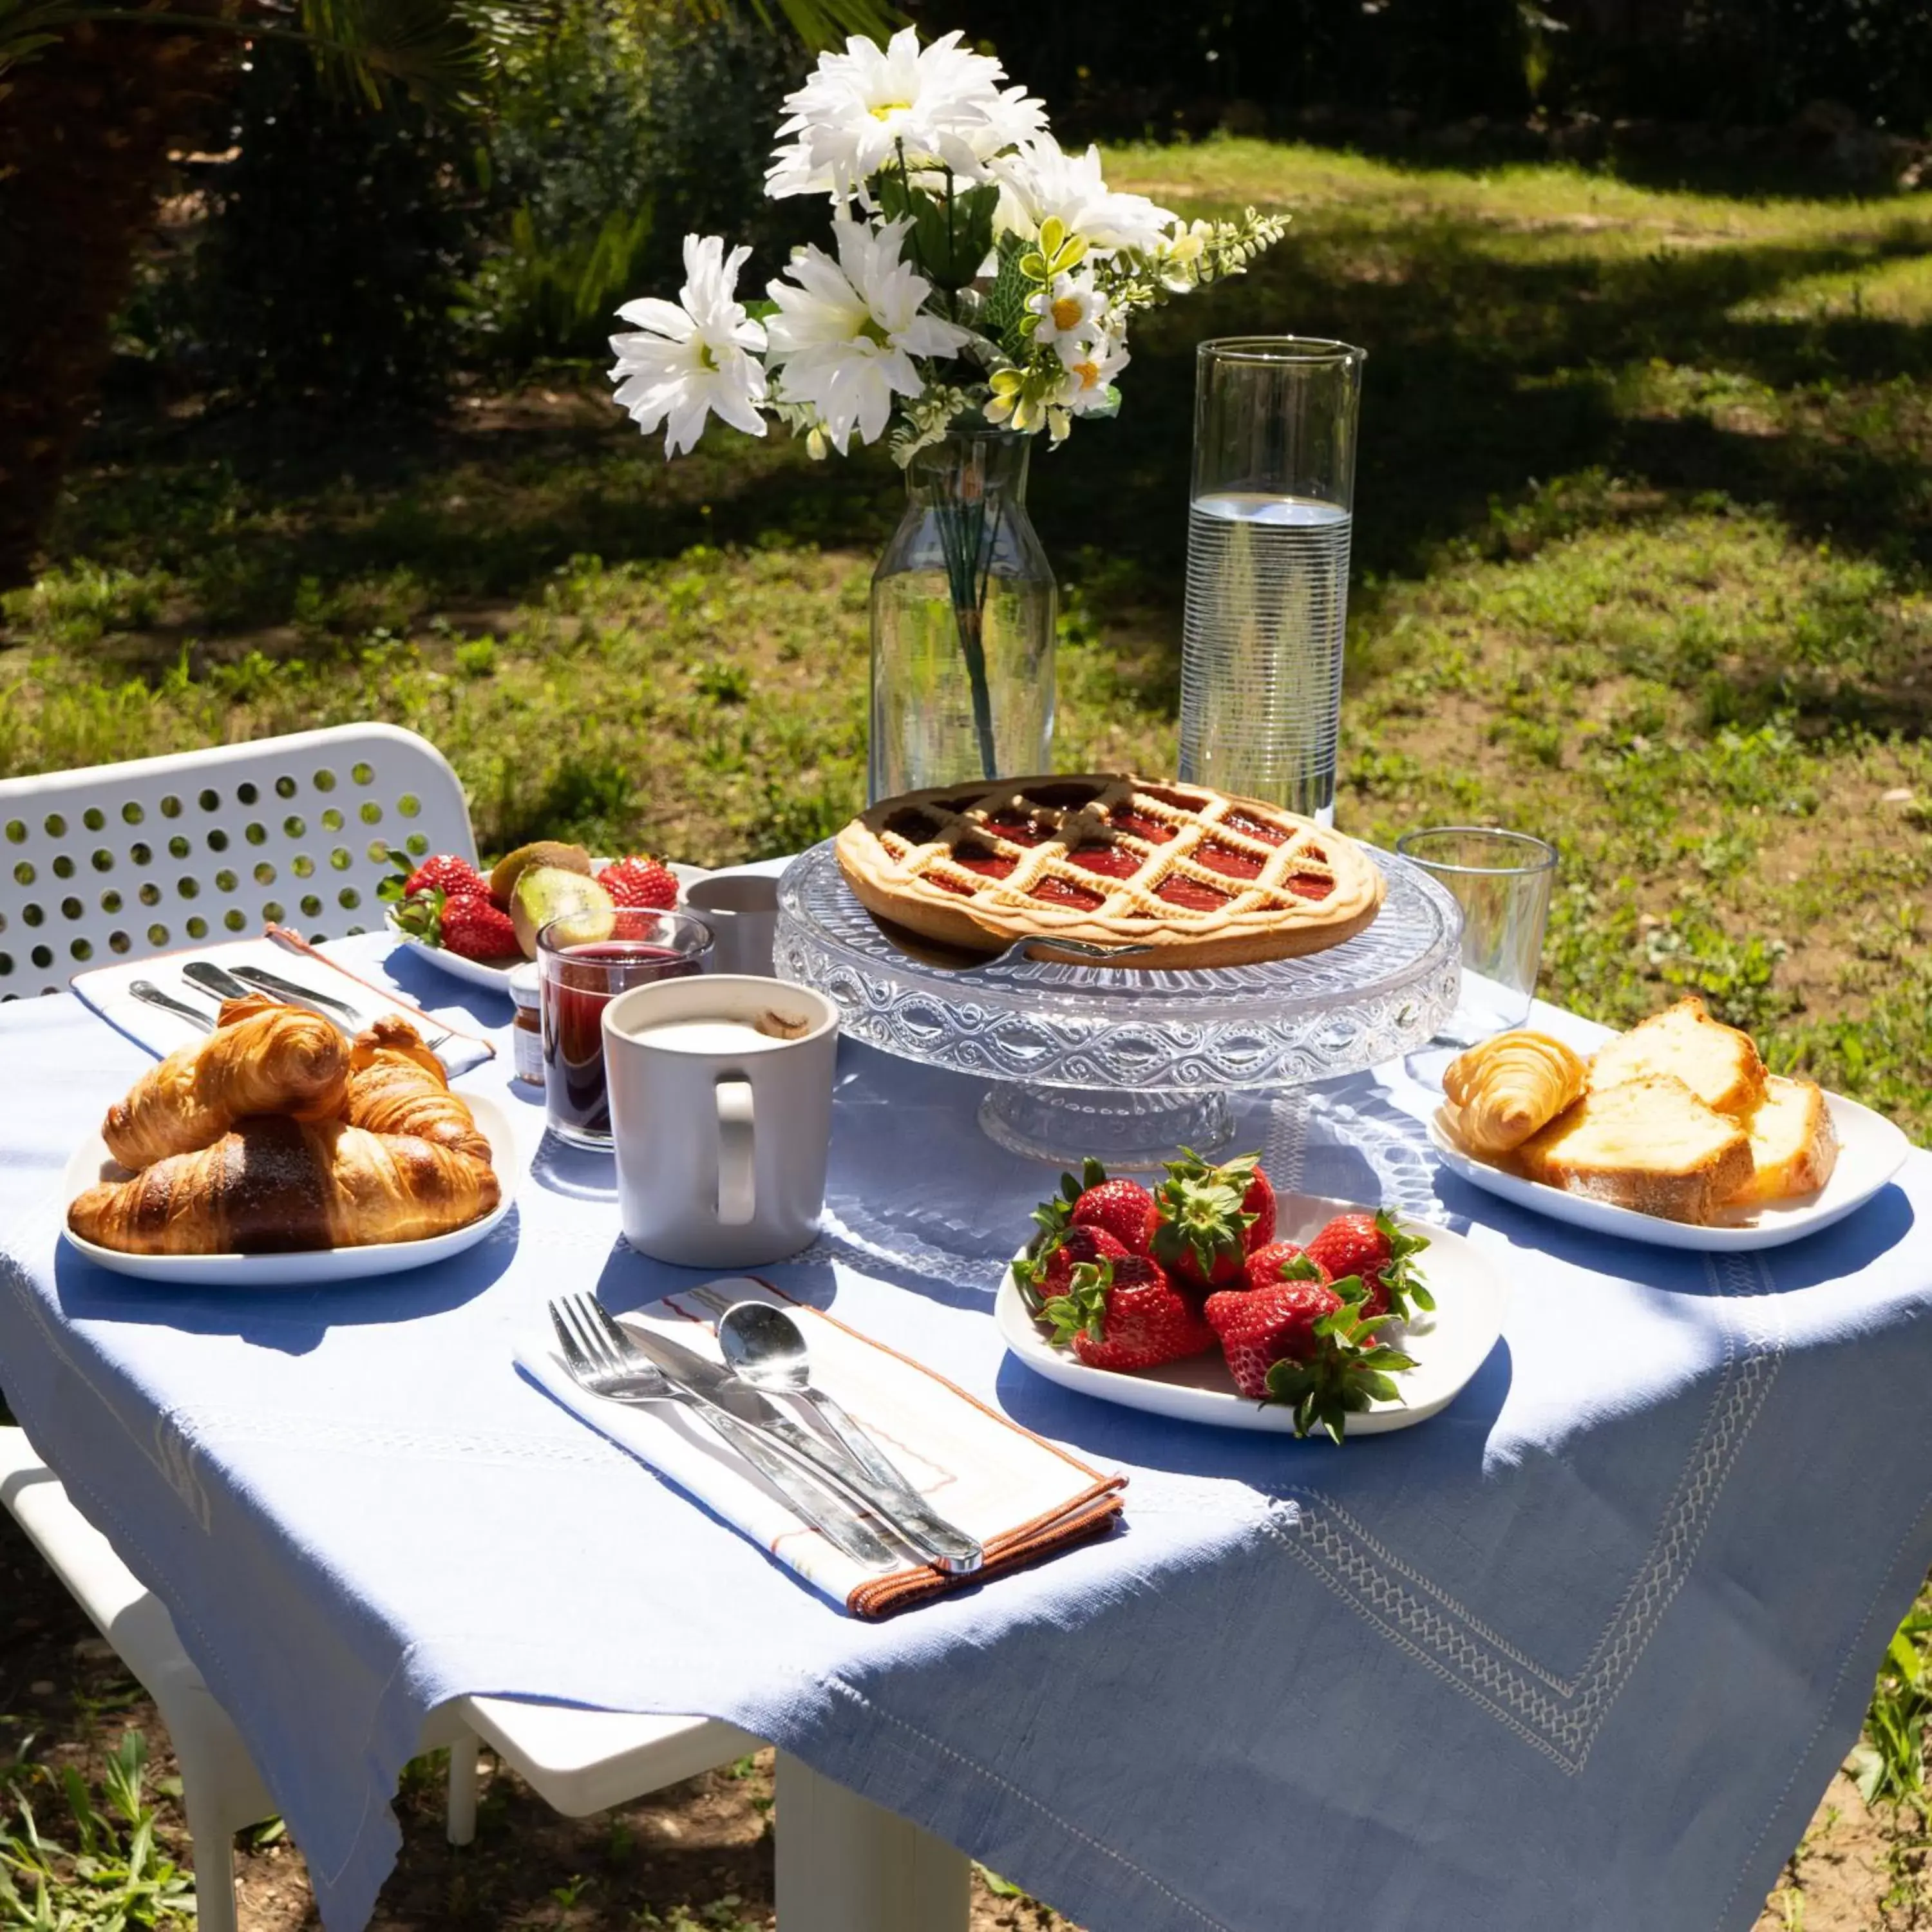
[1126, 1066]
[1120, 1130]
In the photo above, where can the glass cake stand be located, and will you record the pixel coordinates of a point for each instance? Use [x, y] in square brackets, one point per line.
[1107, 1061]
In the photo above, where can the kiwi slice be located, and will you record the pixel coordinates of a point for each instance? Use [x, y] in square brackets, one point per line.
[505, 874]
[547, 892]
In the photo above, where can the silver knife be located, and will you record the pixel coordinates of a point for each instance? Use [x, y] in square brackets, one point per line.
[911, 1517]
[211, 978]
[258, 980]
[826, 1511]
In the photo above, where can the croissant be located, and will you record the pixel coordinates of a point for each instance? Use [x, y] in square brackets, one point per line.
[275, 1184]
[261, 1058]
[1503, 1090]
[397, 1086]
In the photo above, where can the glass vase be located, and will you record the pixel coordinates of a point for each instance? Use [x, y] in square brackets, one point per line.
[963, 605]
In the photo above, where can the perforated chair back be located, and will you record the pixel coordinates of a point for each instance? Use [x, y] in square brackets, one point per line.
[119, 862]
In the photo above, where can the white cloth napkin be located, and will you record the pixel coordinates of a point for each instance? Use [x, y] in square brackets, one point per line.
[105, 989]
[1021, 1497]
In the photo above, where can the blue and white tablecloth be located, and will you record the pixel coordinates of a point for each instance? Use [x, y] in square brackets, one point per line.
[1582, 1652]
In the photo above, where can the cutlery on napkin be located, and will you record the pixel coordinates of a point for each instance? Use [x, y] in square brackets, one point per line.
[1022, 1498]
[110, 992]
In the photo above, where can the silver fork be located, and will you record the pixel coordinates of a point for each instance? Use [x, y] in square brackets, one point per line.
[595, 1364]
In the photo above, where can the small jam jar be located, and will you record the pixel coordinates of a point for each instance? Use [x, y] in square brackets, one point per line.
[527, 1029]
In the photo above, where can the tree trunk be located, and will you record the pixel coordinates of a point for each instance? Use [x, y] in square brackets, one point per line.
[85, 132]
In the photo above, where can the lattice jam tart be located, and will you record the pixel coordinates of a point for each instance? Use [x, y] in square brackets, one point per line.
[1205, 879]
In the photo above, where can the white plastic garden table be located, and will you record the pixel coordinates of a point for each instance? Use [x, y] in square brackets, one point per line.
[1547, 1660]
[844, 1865]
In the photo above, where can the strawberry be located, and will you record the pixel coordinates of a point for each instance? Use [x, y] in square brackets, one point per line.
[645, 883]
[1309, 1344]
[1264, 1326]
[1208, 1219]
[1267, 1268]
[1124, 1314]
[1283, 1261]
[474, 928]
[1122, 1208]
[1372, 1246]
[1049, 1270]
[445, 873]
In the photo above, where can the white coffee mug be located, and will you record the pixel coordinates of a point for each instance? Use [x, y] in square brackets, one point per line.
[741, 909]
[721, 1110]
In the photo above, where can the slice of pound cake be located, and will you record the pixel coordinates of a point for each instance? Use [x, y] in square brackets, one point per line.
[1794, 1145]
[1718, 1063]
[1648, 1143]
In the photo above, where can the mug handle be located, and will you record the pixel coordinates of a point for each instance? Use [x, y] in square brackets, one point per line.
[736, 1195]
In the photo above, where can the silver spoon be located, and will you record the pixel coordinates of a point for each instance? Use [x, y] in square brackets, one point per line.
[765, 1347]
[150, 994]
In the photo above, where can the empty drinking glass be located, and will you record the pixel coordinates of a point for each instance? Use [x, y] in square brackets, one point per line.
[1502, 881]
[1270, 518]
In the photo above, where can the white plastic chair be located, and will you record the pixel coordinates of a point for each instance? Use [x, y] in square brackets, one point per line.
[124, 861]
[221, 1790]
[127, 860]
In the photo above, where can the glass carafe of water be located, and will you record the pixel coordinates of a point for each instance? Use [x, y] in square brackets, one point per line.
[1269, 517]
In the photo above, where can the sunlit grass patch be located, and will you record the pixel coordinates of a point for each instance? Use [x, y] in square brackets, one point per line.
[1896, 289]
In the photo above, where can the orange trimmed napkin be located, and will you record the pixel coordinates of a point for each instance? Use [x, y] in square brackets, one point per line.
[1021, 1497]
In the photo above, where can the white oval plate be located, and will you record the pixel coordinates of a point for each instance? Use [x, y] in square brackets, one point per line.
[1870, 1151]
[307, 1267]
[1449, 1346]
[497, 978]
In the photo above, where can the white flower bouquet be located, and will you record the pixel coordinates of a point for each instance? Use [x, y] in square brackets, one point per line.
[978, 276]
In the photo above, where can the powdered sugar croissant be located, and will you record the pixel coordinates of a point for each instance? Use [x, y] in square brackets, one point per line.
[1505, 1090]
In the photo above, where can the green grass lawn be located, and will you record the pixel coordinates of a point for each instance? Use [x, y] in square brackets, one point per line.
[1644, 521]
[1644, 515]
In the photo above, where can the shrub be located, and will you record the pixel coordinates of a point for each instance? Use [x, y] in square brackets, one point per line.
[614, 135]
[338, 242]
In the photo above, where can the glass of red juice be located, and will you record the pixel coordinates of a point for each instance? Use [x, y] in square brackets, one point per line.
[582, 968]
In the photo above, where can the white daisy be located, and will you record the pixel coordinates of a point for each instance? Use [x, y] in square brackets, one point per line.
[1088, 378]
[1072, 313]
[687, 363]
[1040, 181]
[860, 110]
[846, 331]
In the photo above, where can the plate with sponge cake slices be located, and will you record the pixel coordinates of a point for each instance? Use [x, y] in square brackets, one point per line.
[1674, 1133]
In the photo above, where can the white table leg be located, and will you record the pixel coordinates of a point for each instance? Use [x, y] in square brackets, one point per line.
[846, 1865]
[460, 1815]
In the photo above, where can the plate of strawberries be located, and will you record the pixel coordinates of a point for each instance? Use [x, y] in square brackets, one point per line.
[481, 926]
[1210, 1298]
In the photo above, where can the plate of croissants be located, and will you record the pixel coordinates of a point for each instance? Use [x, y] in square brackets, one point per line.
[1674, 1133]
[278, 1152]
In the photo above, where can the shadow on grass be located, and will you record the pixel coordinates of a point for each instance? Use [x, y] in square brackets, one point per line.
[1498, 358]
